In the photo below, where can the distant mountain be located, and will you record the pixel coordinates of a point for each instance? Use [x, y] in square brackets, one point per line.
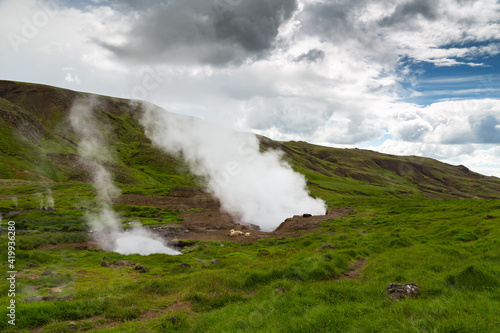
[37, 144]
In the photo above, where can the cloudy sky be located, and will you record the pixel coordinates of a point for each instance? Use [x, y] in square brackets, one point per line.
[406, 77]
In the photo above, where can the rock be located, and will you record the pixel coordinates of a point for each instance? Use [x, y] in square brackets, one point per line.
[174, 320]
[489, 217]
[72, 326]
[306, 215]
[463, 168]
[280, 290]
[47, 273]
[326, 246]
[402, 291]
[141, 269]
[31, 264]
[215, 261]
[184, 265]
[122, 263]
[253, 227]
[182, 243]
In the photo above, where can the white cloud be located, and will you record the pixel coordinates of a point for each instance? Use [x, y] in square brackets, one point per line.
[450, 122]
[332, 73]
[70, 78]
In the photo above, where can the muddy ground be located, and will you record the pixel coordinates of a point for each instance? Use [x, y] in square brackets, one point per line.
[208, 222]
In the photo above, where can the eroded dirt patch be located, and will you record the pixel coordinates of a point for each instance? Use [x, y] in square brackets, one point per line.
[208, 222]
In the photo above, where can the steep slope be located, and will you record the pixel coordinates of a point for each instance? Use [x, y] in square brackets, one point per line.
[365, 172]
[37, 143]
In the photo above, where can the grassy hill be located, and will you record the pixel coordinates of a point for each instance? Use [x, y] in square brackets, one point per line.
[364, 172]
[412, 220]
[37, 144]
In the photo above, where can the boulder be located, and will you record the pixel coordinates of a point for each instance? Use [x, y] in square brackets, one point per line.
[141, 269]
[402, 291]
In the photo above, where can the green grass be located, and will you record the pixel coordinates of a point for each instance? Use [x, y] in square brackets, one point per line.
[447, 247]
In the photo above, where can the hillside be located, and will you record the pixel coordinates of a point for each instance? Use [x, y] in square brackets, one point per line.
[389, 219]
[365, 172]
[37, 144]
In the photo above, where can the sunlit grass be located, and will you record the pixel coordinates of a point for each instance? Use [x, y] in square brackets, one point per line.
[448, 247]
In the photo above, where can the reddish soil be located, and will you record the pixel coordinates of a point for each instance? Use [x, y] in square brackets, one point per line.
[210, 223]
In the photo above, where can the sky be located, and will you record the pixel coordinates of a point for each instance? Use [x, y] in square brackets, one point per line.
[404, 77]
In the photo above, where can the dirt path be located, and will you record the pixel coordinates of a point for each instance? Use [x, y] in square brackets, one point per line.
[354, 271]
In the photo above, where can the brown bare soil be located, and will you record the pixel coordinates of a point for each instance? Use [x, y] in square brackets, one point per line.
[210, 223]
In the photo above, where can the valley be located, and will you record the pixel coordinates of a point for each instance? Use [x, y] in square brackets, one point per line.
[389, 219]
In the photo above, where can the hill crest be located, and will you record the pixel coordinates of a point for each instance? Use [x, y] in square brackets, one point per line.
[37, 144]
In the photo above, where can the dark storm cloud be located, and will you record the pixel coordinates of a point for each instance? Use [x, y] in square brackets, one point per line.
[338, 22]
[412, 10]
[331, 19]
[339, 19]
[127, 5]
[216, 32]
[121, 5]
[312, 56]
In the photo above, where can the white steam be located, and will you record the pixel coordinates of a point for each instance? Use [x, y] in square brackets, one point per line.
[49, 200]
[256, 188]
[144, 244]
[45, 202]
[40, 199]
[105, 222]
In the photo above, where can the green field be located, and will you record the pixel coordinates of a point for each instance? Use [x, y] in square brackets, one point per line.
[449, 247]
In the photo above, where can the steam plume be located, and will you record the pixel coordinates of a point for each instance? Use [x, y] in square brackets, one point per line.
[49, 200]
[105, 222]
[256, 188]
[40, 199]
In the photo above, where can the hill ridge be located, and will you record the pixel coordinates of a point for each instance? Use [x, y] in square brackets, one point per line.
[37, 144]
